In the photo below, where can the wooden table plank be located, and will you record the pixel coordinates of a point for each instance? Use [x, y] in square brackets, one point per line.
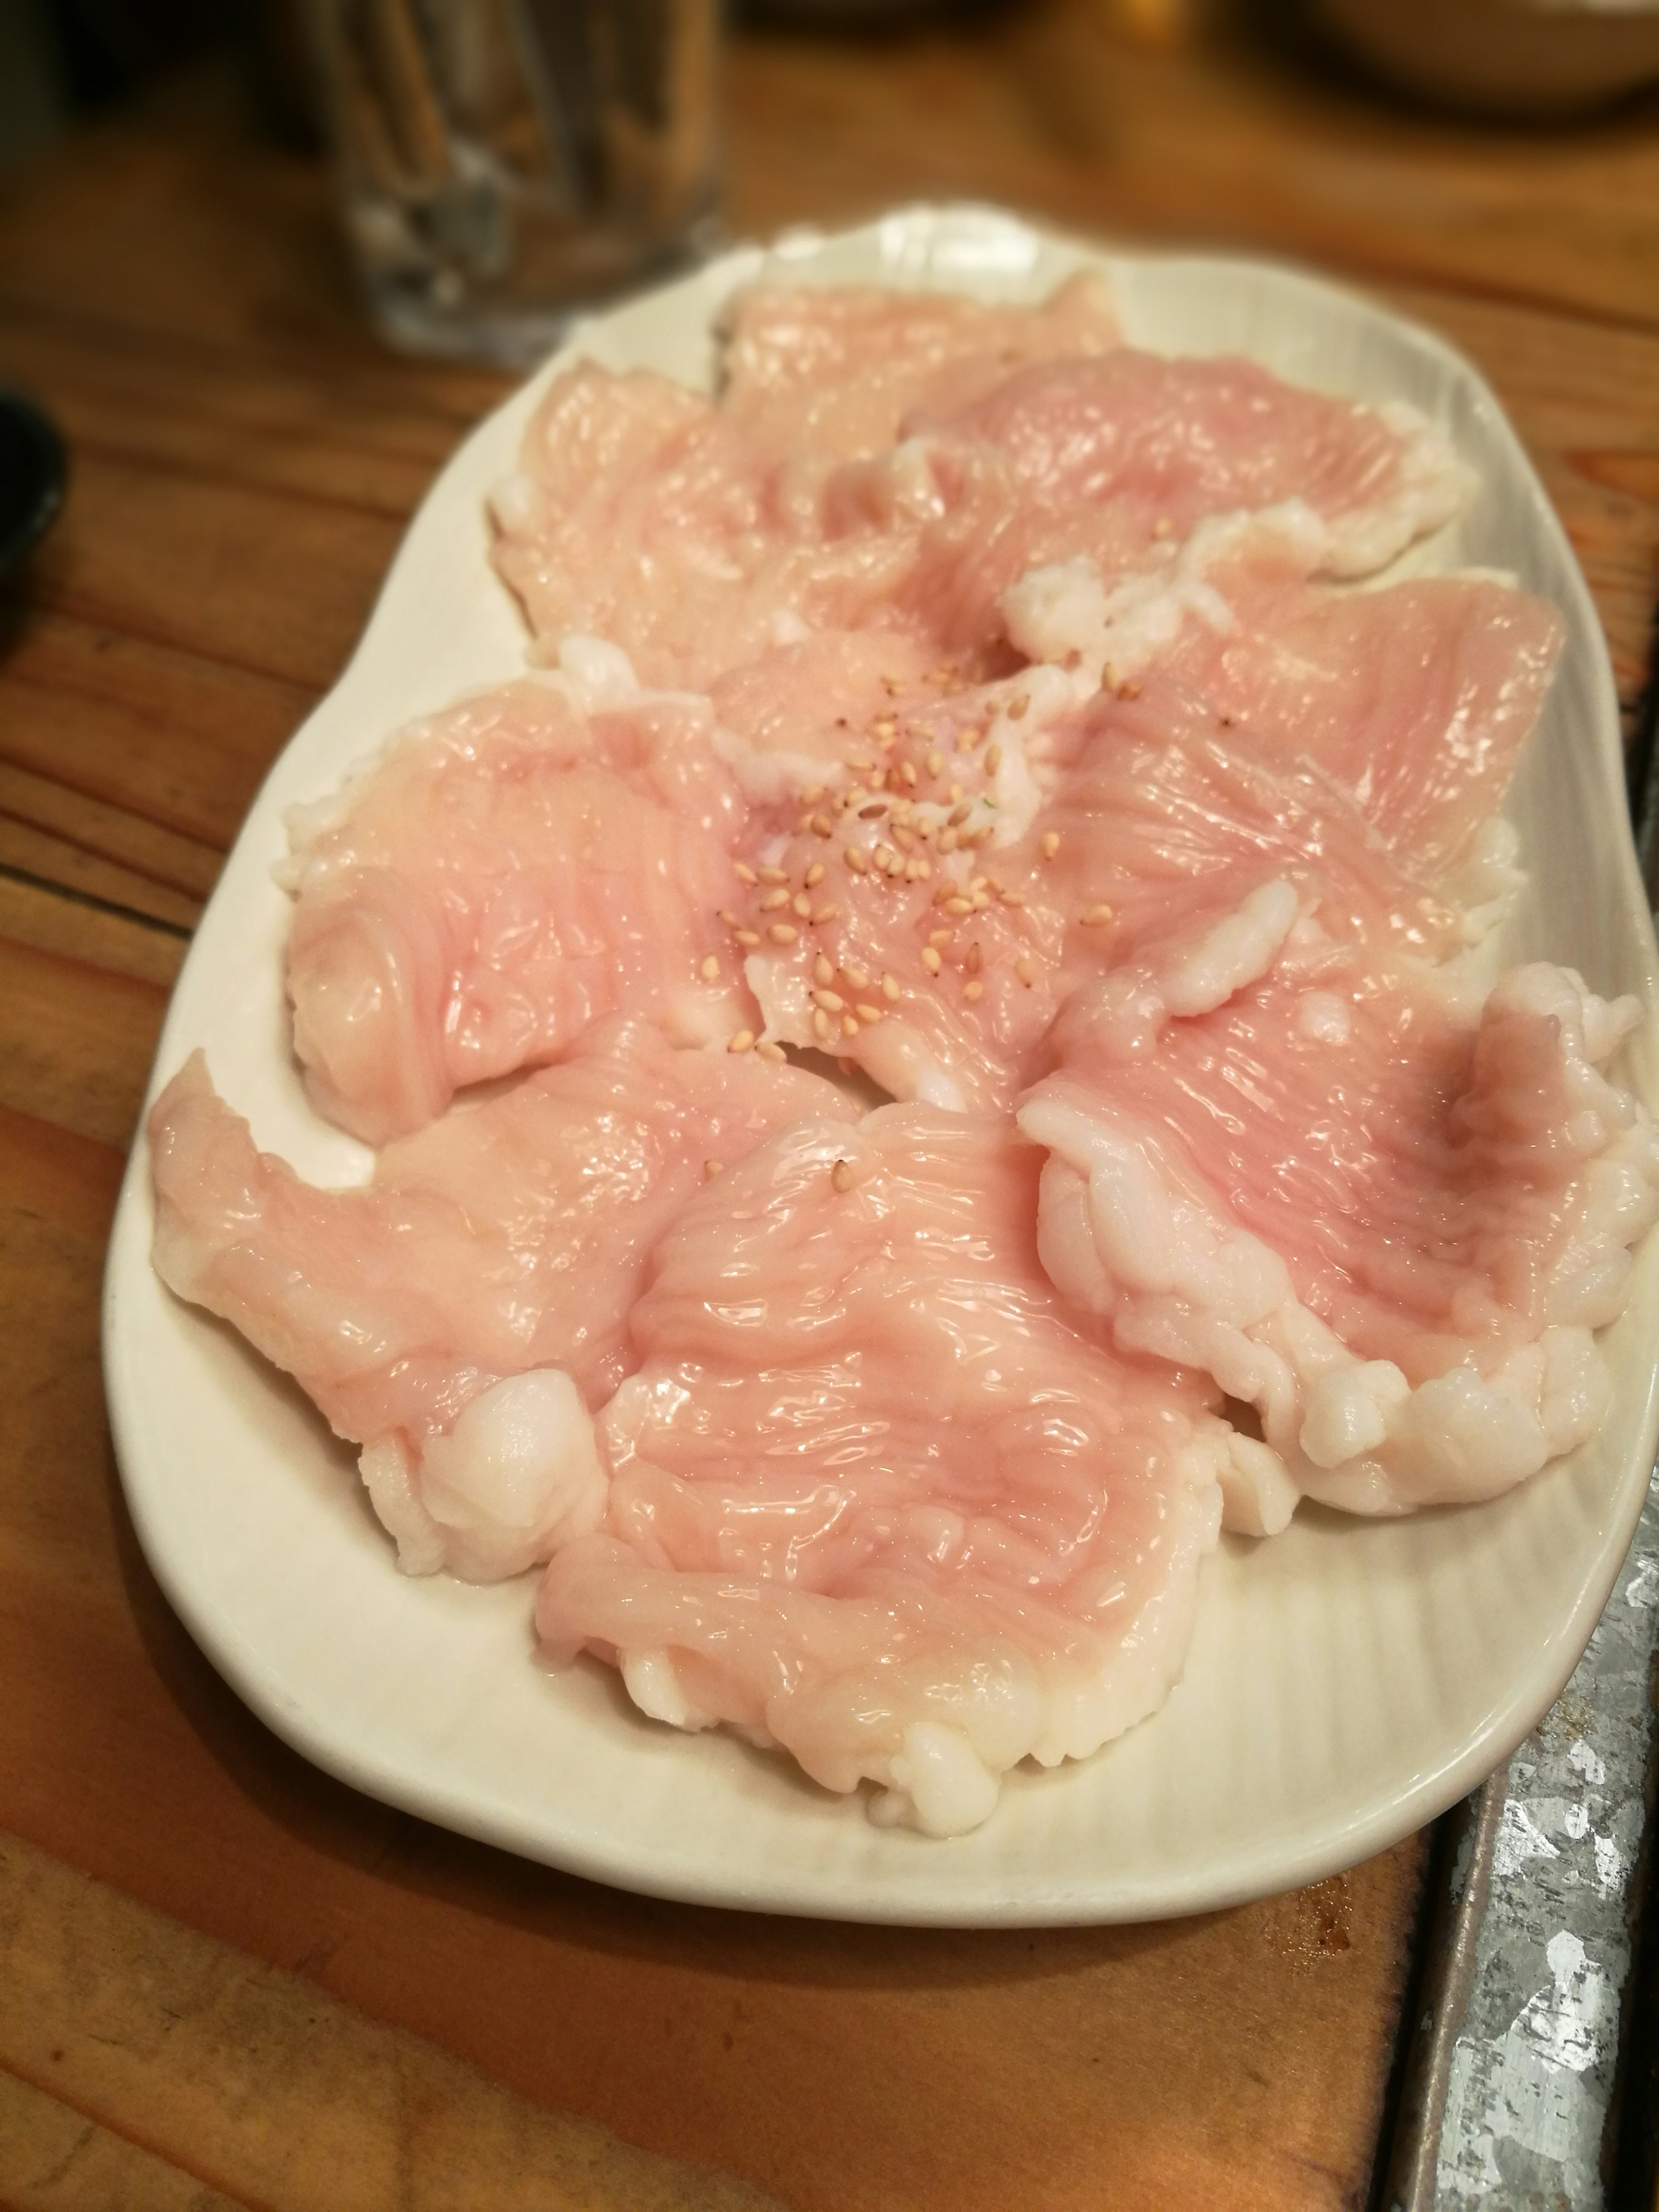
[173, 737]
[1224, 136]
[144, 2065]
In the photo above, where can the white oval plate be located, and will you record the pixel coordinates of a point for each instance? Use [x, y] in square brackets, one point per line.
[1346, 1682]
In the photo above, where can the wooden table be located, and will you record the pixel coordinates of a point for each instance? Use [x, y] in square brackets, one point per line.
[223, 1978]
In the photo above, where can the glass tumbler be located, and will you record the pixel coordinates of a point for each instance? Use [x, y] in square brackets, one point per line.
[505, 163]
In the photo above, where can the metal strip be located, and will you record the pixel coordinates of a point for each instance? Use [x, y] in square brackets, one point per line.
[1509, 2081]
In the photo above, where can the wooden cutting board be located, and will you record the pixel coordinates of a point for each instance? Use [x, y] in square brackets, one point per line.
[223, 1978]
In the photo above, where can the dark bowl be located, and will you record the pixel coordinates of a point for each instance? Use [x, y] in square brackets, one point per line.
[33, 472]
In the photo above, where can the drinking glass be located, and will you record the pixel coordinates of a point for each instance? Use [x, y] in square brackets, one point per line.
[504, 163]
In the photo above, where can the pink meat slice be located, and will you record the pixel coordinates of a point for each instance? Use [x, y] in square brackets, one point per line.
[1165, 815]
[836, 370]
[502, 876]
[800, 708]
[1178, 439]
[877, 1496]
[700, 536]
[693, 537]
[1417, 698]
[936, 957]
[882, 920]
[507, 1240]
[1384, 1215]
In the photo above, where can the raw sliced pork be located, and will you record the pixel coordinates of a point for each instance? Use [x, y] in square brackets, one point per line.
[1416, 695]
[501, 877]
[457, 1314]
[838, 369]
[1387, 1219]
[877, 1495]
[698, 535]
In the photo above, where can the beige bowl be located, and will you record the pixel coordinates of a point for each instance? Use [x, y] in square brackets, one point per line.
[1506, 57]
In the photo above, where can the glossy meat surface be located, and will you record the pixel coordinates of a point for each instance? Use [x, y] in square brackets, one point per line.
[877, 1495]
[1386, 1215]
[508, 1237]
[500, 878]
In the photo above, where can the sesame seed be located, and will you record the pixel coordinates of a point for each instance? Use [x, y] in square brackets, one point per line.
[940, 936]
[958, 814]
[746, 937]
[1092, 916]
[729, 917]
[935, 762]
[955, 792]
[1017, 711]
[814, 875]
[856, 859]
[904, 836]
[802, 905]
[783, 933]
[823, 970]
[948, 839]
[890, 741]
[907, 770]
[859, 978]
[811, 795]
[1050, 843]
[1025, 969]
[980, 901]
[768, 1050]
[772, 875]
[947, 889]
[959, 905]
[884, 727]
[831, 1002]
[740, 1041]
[823, 913]
[890, 984]
[930, 960]
[840, 1176]
[874, 811]
[709, 969]
[971, 991]
[821, 825]
[773, 901]
[852, 795]
[867, 1013]
[978, 882]
[975, 958]
[849, 1026]
[712, 1168]
[820, 1026]
[884, 856]
[992, 759]
[745, 874]
[1013, 898]
[862, 764]
[916, 872]
[1108, 677]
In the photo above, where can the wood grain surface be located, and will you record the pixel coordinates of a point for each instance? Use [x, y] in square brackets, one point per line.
[223, 1978]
